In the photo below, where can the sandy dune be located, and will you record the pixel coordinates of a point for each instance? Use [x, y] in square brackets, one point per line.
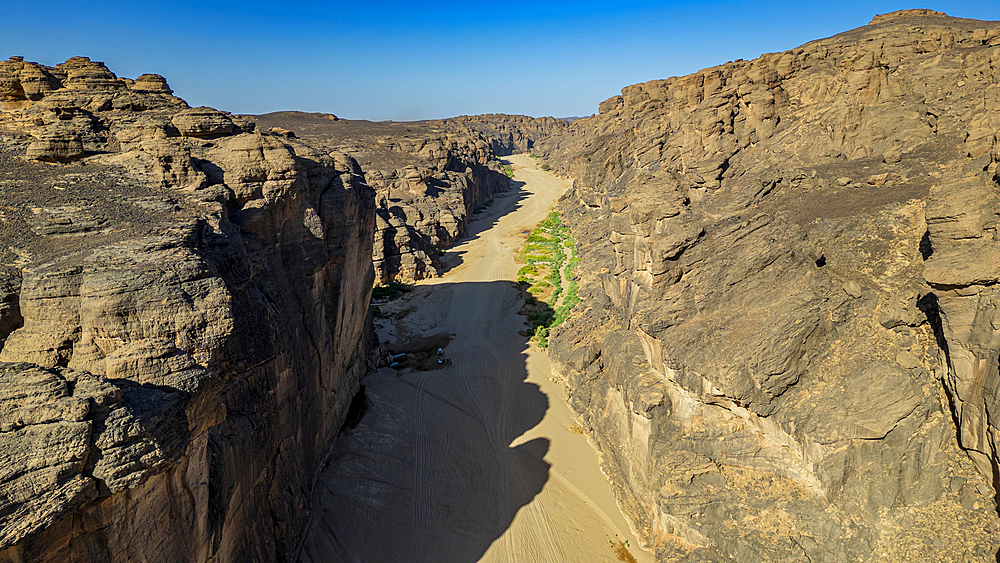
[476, 461]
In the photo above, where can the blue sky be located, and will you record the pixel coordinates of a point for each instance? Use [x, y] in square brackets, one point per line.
[418, 60]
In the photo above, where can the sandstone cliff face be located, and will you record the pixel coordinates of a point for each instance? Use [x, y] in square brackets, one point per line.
[508, 134]
[425, 207]
[789, 298]
[430, 176]
[183, 322]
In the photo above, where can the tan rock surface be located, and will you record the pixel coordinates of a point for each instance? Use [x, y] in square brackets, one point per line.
[80, 73]
[56, 146]
[151, 83]
[183, 323]
[431, 177]
[787, 277]
[787, 347]
[202, 122]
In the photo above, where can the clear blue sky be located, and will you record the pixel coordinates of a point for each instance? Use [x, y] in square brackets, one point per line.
[416, 60]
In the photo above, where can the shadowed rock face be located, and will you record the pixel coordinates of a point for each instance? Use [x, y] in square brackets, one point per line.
[183, 323]
[430, 176]
[789, 271]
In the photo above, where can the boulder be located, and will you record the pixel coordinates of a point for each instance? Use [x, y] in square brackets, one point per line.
[151, 83]
[22, 82]
[56, 145]
[203, 122]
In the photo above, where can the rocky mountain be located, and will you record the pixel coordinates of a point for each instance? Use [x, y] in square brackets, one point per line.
[429, 176]
[788, 344]
[183, 321]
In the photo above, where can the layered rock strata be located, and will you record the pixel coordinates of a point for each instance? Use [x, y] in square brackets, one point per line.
[787, 347]
[425, 207]
[510, 133]
[430, 176]
[183, 322]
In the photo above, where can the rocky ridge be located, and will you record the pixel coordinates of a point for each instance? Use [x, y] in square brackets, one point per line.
[509, 133]
[787, 348]
[183, 321]
[430, 176]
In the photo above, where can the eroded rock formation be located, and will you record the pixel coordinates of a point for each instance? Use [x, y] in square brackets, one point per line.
[789, 274]
[430, 176]
[510, 133]
[183, 321]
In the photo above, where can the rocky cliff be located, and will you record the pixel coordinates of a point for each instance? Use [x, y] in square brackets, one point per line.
[787, 348]
[430, 176]
[183, 321]
[510, 134]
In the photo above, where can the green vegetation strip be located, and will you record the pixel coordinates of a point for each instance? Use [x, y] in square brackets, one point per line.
[544, 256]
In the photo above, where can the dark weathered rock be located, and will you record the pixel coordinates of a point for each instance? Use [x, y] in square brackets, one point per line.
[782, 261]
[508, 134]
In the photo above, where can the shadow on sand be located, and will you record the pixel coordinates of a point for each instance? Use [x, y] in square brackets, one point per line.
[429, 473]
[503, 204]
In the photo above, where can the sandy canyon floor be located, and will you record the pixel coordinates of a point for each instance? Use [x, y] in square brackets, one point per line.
[479, 460]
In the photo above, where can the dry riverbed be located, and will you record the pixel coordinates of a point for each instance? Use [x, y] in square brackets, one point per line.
[476, 458]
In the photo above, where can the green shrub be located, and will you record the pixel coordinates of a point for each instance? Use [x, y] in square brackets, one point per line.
[391, 290]
[528, 270]
[551, 221]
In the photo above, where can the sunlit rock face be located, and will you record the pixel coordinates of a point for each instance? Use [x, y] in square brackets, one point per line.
[430, 176]
[787, 348]
[183, 321]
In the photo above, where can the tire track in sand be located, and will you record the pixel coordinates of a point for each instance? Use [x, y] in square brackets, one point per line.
[465, 436]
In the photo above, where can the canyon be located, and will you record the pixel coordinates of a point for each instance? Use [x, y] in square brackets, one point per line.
[474, 459]
[429, 177]
[786, 347]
